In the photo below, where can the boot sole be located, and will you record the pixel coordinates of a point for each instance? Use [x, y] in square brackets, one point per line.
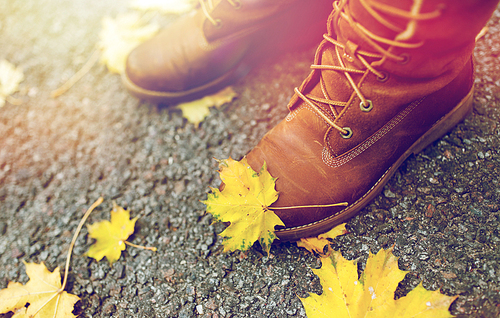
[160, 97]
[440, 128]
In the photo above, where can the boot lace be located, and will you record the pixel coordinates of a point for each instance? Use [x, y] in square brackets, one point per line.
[381, 54]
[208, 5]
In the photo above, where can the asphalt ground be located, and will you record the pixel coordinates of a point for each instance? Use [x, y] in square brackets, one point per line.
[57, 156]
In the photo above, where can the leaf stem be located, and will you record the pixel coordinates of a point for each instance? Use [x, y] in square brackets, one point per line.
[307, 206]
[78, 229]
[13, 101]
[78, 75]
[140, 246]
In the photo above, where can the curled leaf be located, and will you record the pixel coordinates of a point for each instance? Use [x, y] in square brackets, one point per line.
[317, 244]
[196, 111]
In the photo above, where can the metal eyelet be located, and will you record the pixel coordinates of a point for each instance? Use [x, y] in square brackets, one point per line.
[406, 59]
[237, 4]
[218, 23]
[349, 133]
[384, 78]
[348, 58]
[366, 108]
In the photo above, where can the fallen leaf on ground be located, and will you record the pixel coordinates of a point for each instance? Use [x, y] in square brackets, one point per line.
[317, 244]
[196, 111]
[373, 294]
[111, 236]
[120, 36]
[244, 203]
[164, 6]
[42, 292]
[10, 77]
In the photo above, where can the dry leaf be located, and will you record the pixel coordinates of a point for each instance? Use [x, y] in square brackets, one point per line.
[42, 293]
[196, 111]
[111, 236]
[244, 202]
[317, 244]
[120, 36]
[10, 77]
[164, 6]
[373, 294]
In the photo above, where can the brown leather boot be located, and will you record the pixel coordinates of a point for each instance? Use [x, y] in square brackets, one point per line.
[202, 52]
[398, 76]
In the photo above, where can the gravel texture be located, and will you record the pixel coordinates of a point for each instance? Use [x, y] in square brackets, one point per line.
[57, 156]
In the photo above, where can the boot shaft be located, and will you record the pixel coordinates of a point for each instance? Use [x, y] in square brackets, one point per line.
[389, 49]
[418, 38]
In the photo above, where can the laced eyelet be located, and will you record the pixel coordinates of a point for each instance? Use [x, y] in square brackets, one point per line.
[406, 59]
[348, 58]
[236, 4]
[366, 108]
[218, 23]
[349, 133]
[384, 78]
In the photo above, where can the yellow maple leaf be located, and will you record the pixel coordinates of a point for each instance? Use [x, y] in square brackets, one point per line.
[111, 236]
[164, 6]
[373, 294]
[42, 292]
[10, 77]
[317, 244]
[120, 36]
[244, 203]
[196, 111]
